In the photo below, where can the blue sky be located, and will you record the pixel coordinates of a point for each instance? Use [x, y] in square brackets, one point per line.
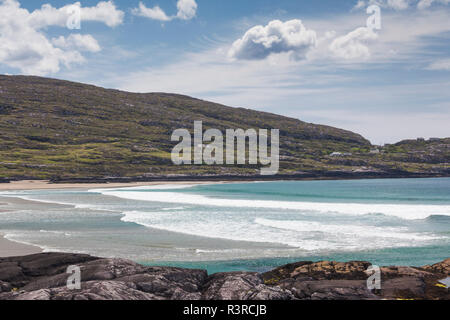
[313, 60]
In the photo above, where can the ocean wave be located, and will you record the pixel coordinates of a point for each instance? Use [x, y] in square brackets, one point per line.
[220, 251]
[143, 188]
[305, 235]
[31, 198]
[310, 226]
[15, 237]
[63, 203]
[66, 234]
[174, 209]
[403, 211]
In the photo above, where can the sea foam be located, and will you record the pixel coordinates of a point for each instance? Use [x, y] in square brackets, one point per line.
[403, 211]
[305, 235]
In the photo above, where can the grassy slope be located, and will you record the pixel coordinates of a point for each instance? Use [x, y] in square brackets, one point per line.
[52, 128]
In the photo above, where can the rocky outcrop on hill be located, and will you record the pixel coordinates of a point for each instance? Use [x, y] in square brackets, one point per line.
[44, 277]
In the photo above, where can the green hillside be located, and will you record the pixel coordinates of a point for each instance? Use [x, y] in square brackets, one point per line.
[53, 129]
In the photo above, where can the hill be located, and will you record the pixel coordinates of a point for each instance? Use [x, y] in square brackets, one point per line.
[60, 130]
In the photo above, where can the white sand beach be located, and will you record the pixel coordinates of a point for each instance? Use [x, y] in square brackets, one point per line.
[43, 184]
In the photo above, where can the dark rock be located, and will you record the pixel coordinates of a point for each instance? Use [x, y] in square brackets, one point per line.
[11, 271]
[5, 287]
[103, 290]
[44, 277]
[404, 287]
[99, 269]
[284, 272]
[92, 290]
[323, 270]
[230, 286]
[19, 271]
[330, 290]
[441, 267]
[169, 283]
[395, 272]
[241, 286]
[263, 292]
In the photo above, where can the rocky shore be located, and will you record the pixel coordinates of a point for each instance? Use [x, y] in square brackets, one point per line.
[43, 277]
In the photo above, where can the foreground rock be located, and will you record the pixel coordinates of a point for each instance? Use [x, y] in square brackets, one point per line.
[43, 277]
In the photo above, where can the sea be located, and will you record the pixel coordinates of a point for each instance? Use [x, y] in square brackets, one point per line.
[251, 226]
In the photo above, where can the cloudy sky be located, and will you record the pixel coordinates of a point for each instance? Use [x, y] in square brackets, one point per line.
[313, 60]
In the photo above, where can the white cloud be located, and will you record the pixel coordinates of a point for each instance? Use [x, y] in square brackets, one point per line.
[155, 13]
[77, 42]
[187, 9]
[440, 65]
[104, 12]
[211, 71]
[359, 5]
[23, 44]
[391, 4]
[399, 4]
[353, 45]
[423, 4]
[277, 37]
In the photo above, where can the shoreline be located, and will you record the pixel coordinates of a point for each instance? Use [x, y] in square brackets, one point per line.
[94, 184]
[47, 185]
[9, 248]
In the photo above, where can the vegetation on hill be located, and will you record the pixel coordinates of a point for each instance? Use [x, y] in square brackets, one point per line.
[53, 129]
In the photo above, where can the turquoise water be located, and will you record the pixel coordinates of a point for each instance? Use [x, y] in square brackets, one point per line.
[404, 256]
[401, 191]
[241, 226]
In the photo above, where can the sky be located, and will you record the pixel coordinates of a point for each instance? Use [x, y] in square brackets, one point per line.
[379, 68]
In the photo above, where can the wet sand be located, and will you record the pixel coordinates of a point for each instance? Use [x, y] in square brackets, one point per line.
[10, 248]
[13, 249]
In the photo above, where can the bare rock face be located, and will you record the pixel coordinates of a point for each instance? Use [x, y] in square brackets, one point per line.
[395, 272]
[405, 287]
[333, 270]
[241, 286]
[21, 270]
[44, 277]
[324, 280]
[92, 290]
[100, 269]
[102, 279]
[328, 280]
[323, 270]
[169, 283]
[441, 267]
[103, 290]
[329, 289]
